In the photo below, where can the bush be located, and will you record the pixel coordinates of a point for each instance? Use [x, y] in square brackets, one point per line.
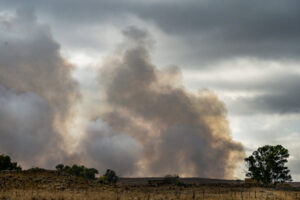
[59, 167]
[76, 170]
[110, 176]
[6, 164]
[102, 179]
[171, 179]
[36, 169]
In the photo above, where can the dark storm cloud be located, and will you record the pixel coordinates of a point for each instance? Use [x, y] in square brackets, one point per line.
[285, 102]
[265, 91]
[36, 92]
[274, 81]
[217, 29]
[275, 93]
[211, 30]
[181, 132]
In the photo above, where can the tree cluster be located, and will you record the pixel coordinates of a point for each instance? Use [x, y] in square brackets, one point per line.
[110, 176]
[76, 170]
[7, 164]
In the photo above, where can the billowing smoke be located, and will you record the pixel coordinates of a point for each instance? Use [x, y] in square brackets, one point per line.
[173, 130]
[36, 92]
[106, 149]
[148, 124]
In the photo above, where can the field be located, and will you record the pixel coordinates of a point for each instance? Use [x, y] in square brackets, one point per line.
[50, 185]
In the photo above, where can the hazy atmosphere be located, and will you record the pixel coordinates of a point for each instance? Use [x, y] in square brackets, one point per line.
[149, 88]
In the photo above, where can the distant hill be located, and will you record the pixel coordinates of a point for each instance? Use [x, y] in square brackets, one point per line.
[194, 180]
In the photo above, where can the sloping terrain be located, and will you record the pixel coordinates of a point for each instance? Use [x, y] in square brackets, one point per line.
[53, 185]
[44, 180]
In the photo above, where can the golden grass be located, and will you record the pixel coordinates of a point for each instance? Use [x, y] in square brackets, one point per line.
[152, 193]
[50, 185]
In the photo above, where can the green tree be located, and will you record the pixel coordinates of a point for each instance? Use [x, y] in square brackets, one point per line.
[89, 173]
[267, 165]
[110, 176]
[6, 164]
[76, 170]
[59, 167]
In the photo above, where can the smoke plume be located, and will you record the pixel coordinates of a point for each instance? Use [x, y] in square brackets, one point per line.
[36, 92]
[175, 131]
[147, 125]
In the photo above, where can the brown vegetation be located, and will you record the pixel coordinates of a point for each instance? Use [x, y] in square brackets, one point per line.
[52, 185]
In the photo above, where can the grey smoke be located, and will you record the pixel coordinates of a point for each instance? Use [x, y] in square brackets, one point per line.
[104, 149]
[26, 133]
[37, 92]
[180, 132]
[151, 124]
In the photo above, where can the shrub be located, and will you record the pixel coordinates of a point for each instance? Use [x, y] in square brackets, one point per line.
[102, 179]
[110, 176]
[6, 164]
[59, 167]
[36, 169]
[76, 170]
[171, 179]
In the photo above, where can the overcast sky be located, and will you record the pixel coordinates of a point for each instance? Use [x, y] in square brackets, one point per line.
[247, 52]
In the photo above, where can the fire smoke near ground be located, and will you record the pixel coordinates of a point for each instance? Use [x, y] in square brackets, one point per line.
[149, 124]
[37, 92]
[179, 132]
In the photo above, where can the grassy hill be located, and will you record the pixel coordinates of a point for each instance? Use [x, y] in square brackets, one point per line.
[53, 185]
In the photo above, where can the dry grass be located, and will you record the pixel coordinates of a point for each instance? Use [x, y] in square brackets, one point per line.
[53, 186]
[159, 193]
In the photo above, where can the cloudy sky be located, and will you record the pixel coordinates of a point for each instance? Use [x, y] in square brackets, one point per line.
[58, 64]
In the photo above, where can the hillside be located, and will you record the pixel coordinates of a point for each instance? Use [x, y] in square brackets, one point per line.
[53, 185]
[43, 179]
